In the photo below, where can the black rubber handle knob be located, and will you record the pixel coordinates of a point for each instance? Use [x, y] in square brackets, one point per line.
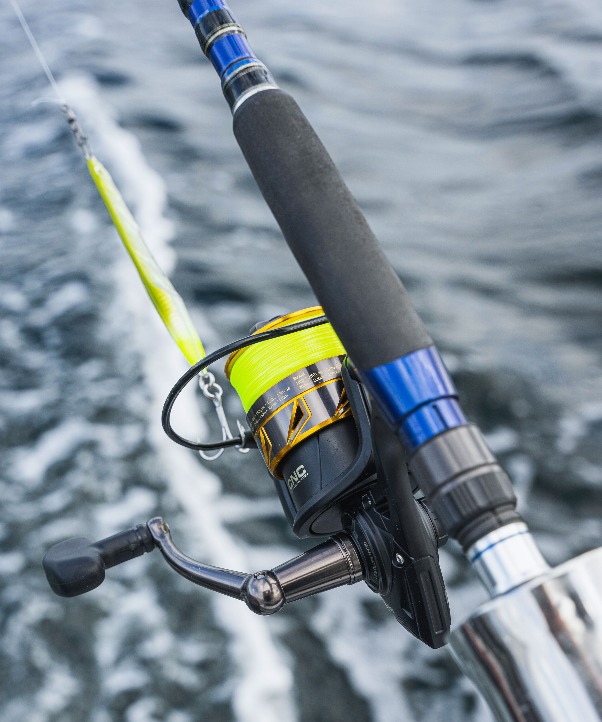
[78, 565]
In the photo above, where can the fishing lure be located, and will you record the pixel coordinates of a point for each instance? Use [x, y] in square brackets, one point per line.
[165, 298]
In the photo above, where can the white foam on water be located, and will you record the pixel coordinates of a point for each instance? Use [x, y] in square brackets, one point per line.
[575, 426]
[235, 508]
[142, 711]
[590, 473]
[522, 469]
[501, 439]
[58, 691]
[573, 430]
[30, 464]
[73, 295]
[26, 401]
[12, 297]
[125, 678]
[83, 221]
[136, 503]
[7, 220]
[11, 563]
[261, 676]
[352, 641]
[11, 336]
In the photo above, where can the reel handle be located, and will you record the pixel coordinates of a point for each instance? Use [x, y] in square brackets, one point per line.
[333, 563]
[78, 565]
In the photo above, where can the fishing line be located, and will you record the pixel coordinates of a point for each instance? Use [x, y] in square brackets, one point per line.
[168, 303]
[253, 370]
[79, 135]
[37, 50]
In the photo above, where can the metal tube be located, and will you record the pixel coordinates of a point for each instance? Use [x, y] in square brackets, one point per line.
[536, 652]
[331, 564]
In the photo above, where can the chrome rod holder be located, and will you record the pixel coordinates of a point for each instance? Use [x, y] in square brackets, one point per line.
[535, 652]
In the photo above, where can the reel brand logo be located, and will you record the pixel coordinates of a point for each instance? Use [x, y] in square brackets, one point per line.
[298, 475]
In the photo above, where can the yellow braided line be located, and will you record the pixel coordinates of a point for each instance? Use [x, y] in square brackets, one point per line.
[255, 369]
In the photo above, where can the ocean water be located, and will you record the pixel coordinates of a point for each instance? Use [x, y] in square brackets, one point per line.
[471, 135]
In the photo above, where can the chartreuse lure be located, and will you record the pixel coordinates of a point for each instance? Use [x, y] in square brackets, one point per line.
[164, 296]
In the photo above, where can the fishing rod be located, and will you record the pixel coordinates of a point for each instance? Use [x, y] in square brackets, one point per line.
[361, 429]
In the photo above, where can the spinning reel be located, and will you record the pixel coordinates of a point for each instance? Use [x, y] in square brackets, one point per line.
[339, 472]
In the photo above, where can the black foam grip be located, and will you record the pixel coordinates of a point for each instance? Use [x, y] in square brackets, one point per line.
[327, 232]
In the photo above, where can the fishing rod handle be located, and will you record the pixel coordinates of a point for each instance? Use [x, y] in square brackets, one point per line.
[356, 285]
[327, 232]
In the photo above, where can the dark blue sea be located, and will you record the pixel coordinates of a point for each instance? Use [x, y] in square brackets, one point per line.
[471, 134]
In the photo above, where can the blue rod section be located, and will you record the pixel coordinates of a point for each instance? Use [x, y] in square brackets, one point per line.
[416, 395]
[200, 8]
[229, 50]
[225, 44]
[429, 421]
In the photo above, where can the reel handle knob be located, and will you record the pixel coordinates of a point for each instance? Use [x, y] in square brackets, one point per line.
[78, 565]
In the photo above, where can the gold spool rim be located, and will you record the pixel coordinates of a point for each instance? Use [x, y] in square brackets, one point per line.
[287, 320]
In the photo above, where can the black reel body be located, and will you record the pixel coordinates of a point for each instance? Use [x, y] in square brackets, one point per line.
[339, 472]
[311, 426]
[319, 474]
[397, 537]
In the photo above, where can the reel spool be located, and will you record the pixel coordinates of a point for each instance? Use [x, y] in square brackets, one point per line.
[302, 416]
